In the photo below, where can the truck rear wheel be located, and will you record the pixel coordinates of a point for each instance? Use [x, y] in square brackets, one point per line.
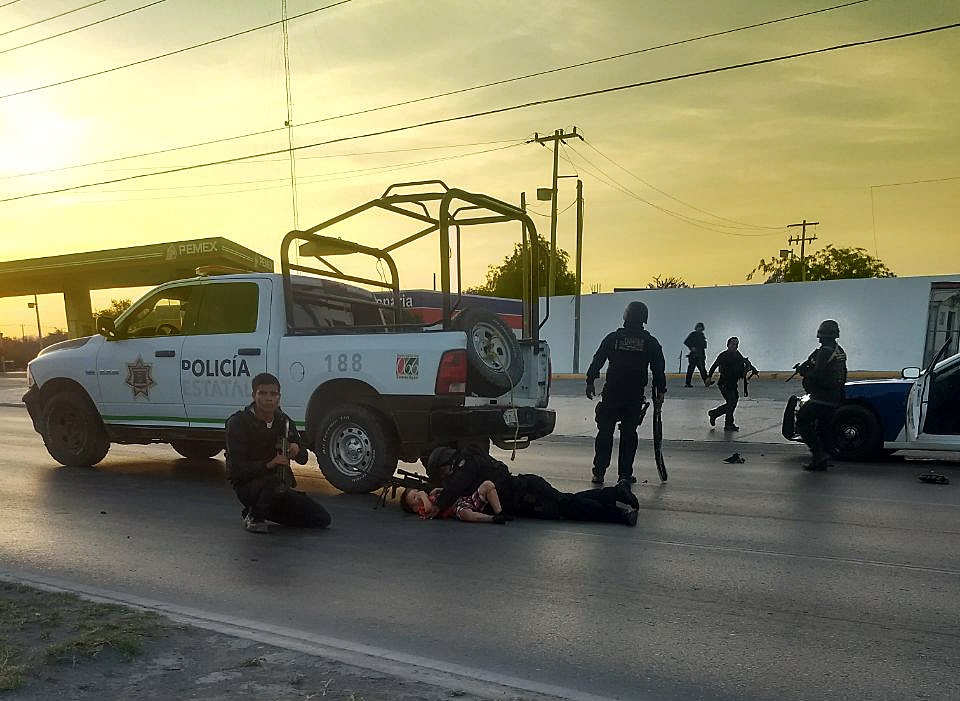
[72, 431]
[196, 450]
[494, 361]
[356, 451]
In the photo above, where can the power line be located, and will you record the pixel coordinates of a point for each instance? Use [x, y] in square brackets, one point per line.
[446, 94]
[62, 14]
[917, 182]
[171, 53]
[310, 179]
[77, 29]
[12, 2]
[276, 160]
[738, 224]
[499, 110]
[612, 182]
[289, 122]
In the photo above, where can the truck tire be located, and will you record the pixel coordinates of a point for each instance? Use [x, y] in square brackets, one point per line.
[72, 431]
[494, 361]
[356, 451]
[196, 450]
[856, 433]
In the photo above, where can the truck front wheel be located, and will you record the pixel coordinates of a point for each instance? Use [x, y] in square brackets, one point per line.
[356, 451]
[72, 432]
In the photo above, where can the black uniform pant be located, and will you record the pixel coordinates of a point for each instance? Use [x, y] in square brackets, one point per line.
[266, 498]
[696, 361]
[731, 396]
[608, 415]
[532, 496]
[814, 424]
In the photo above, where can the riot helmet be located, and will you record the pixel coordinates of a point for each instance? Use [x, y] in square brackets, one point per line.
[440, 457]
[635, 313]
[828, 329]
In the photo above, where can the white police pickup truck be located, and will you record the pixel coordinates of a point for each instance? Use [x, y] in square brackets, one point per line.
[365, 386]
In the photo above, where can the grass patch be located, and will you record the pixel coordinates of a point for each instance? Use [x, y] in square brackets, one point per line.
[46, 628]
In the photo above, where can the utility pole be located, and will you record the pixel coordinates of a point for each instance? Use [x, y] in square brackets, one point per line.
[36, 307]
[558, 137]
[576, 299]
[802, 239]
[525, 257]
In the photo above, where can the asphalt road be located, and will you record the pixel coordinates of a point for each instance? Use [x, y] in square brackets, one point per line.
[753, 581]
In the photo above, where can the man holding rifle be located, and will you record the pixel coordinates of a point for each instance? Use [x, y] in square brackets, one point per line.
[261, 440]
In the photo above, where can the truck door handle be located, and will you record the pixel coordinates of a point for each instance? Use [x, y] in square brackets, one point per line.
[248, 351]
[164, 354]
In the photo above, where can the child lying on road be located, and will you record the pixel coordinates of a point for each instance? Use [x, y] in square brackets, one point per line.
[483, 506]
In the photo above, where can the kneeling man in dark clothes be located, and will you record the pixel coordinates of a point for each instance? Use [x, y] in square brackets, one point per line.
[259, 471]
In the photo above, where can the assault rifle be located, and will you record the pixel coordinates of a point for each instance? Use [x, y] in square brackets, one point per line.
[748, 372]
[285, 451]
[800, 369]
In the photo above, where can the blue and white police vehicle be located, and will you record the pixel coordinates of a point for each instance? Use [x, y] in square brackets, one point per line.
[920, 410]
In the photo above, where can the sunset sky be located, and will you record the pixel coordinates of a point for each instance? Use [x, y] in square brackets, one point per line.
[864, 140]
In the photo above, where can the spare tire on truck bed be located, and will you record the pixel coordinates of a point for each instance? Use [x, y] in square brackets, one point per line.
[494, 362]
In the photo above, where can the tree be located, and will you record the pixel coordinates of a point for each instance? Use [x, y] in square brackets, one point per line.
[826, 264]
[506, 279]
[18, 352]
[116, 308]
[666, 283]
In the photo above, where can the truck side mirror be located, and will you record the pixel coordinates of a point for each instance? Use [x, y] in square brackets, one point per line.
[105, 327]
[910, 373]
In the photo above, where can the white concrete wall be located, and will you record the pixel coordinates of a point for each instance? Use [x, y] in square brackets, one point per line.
[882, 321]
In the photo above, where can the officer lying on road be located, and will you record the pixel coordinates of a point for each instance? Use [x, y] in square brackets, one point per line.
[630, 350]
[257, 469]
[461, 473]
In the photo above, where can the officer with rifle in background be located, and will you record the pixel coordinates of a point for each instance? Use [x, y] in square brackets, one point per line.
[824, 374]
[696, 342]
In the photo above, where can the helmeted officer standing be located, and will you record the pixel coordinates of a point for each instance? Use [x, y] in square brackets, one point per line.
[630, 350]
[697, 357]
[824, 374]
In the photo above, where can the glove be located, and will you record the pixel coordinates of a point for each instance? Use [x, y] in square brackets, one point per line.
[591, 390]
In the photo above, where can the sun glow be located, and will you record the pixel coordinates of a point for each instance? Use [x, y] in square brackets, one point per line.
[36, 138]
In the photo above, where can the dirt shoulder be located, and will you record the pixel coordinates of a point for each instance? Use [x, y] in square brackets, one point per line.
[56, 645]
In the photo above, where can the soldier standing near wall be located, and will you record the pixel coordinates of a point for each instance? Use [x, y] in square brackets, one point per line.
[824, 374]
[630, 350]
[697, 357]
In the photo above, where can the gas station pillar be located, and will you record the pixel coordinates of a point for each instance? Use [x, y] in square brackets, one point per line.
[79, 312]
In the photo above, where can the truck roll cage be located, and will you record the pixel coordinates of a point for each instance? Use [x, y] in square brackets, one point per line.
[478, 209]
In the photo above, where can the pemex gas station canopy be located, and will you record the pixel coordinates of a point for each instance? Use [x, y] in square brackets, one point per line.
[75, 274]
